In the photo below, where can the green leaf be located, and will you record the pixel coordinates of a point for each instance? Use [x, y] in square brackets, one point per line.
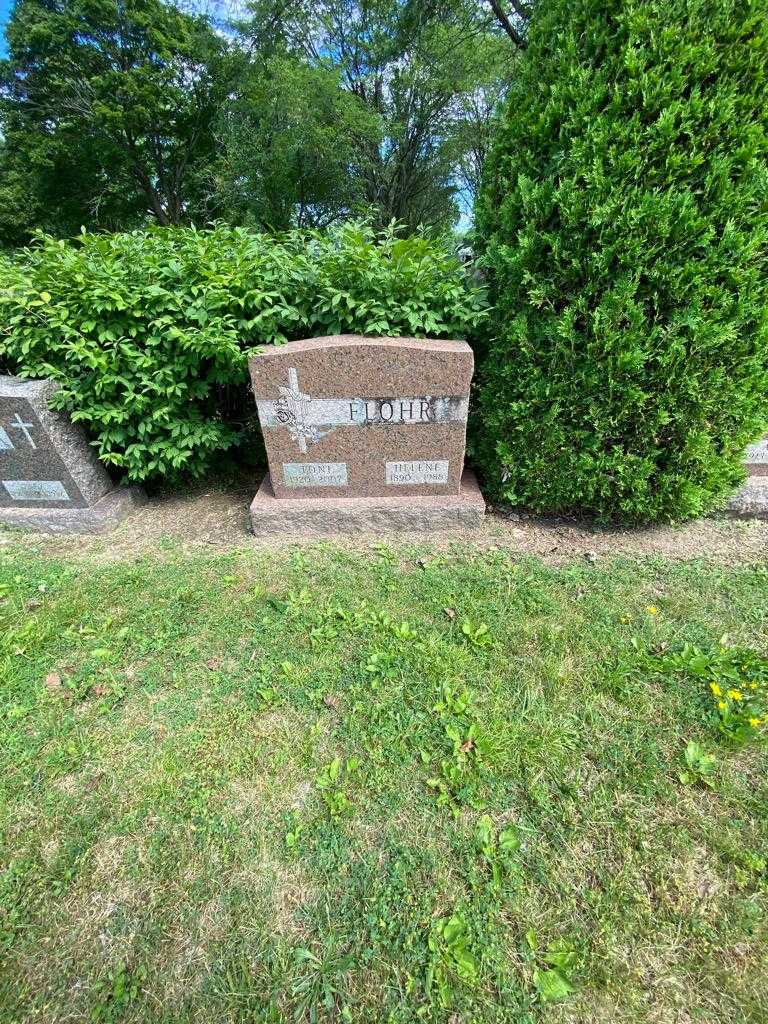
[551, 985]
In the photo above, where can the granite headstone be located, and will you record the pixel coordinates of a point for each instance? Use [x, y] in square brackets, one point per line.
[752, 498]
[50, 478]
[757, 458]
[364, 434]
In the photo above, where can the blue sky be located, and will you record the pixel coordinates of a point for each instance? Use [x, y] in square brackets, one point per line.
[5, 10]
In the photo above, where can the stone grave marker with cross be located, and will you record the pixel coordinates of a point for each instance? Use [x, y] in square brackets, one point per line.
[50, 478]
[364, 435]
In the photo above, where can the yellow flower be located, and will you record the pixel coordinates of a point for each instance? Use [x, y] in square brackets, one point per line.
[722, 705]
[715, 689]
[652, 609]
[753, 686]
[754, 722]
[735, 695]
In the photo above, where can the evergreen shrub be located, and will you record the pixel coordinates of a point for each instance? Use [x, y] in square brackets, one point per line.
[623, 224]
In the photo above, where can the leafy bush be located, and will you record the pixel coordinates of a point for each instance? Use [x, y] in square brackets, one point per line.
[149, 332]
[623, 224]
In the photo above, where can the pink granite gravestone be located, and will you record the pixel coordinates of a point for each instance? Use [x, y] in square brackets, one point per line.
[364, 434]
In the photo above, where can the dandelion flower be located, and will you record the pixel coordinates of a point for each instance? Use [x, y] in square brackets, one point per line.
[715, 689]
[754, 722]
[722, 705]
[735, 695]
[652, 609]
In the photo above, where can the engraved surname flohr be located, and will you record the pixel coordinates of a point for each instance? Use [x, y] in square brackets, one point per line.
[309, 419]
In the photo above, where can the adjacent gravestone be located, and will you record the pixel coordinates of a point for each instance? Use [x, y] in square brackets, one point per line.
[757, 458]
[50, 478]
[364, 434]
[752, 499]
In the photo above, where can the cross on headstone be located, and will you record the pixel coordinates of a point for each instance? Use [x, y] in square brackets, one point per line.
[17, 423]
[364, 432]
[50, 477]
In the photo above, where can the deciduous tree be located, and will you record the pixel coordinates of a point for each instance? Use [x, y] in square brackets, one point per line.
[107, 111]
[421, 67]
[292, 146]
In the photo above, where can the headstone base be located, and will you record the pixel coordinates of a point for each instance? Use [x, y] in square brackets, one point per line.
[101, 517]
[752, 499]
[323, 516]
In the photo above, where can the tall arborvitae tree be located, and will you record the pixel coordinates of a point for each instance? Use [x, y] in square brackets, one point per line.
[625, 228]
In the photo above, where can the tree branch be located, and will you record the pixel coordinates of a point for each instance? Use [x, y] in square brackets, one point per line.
[505, 22]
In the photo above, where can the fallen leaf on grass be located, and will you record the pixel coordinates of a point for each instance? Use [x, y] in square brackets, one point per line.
[53, 681]
[214, 664]
[552, 985]
[331, 702]
[450, 613]
[100, 690]
[467, 746]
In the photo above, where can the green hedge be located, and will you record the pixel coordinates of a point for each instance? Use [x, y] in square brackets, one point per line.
[149, 332]
[625, 224]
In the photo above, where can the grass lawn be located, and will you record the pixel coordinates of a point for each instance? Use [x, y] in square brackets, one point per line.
[385, 786]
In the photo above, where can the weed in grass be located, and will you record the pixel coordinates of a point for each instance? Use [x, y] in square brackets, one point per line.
[553, 967]
[699, 766]
[318, 983]
[114, 994]
[499, 851]
[733, 681]
[294, 831]
[478, 634]
[330, 782]
[451, 961]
